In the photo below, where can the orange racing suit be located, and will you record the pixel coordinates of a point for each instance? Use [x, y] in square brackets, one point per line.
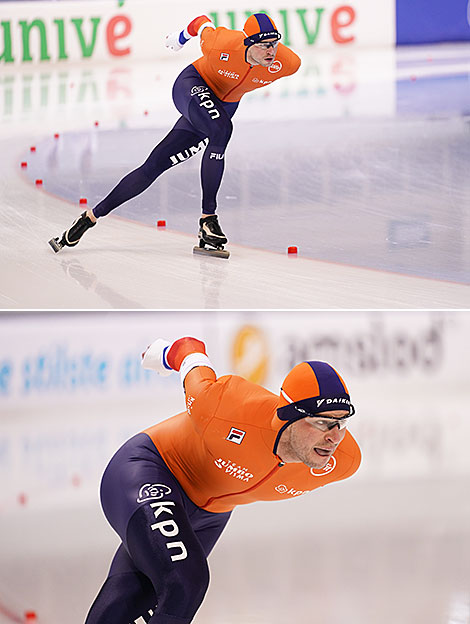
[222, 449]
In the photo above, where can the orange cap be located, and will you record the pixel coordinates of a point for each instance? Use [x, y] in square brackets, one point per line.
[259, 26]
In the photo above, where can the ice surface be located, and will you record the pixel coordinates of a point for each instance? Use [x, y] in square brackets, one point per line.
[360, 160]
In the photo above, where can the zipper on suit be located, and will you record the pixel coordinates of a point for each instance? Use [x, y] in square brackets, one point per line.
[240, 83]
[250, 489]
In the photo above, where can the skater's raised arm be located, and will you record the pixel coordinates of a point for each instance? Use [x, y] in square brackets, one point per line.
[176, 40]
[187, 356]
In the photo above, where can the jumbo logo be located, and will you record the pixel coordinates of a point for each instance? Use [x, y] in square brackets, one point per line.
[152, 491]
[250, 354]
[321, 472]
[275, 67]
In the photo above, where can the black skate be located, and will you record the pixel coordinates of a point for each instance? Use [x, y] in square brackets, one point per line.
[71, 236]
[211, 235]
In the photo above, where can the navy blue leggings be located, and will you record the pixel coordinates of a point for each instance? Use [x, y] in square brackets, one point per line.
[205, 122]
[159, 573]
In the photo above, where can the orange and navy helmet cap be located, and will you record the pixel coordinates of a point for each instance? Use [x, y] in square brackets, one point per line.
[258, 27]
[311, 388]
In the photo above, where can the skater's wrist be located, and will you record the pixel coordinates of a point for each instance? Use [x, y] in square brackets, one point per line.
[181, 348]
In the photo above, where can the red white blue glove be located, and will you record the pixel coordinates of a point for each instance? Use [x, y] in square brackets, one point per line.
[176, 40]
[182, 355]
[154, 358]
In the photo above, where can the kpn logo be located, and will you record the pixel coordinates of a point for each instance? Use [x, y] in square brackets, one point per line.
[250, 354]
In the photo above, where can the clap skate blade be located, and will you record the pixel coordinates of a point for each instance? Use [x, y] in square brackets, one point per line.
[56, 244]
[217, 252]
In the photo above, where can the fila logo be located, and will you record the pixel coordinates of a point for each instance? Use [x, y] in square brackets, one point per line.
[224, 56]
[217, 156]
[236, 435]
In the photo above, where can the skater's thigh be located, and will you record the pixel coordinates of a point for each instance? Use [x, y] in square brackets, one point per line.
[135, 476]
[163, 546]
[204, 112]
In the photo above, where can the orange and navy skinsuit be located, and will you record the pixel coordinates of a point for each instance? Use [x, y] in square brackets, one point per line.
[206, 94]
[224, 66]
[169, 491]
[222, 449]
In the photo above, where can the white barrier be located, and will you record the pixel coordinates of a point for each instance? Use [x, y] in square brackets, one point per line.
[72, 388]
[87, 32]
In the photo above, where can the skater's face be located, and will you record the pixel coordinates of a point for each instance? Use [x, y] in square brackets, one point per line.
[302, 441]
[262, 53]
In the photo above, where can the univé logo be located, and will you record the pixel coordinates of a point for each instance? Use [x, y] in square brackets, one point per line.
[321, 472]
[275, 67]
[57, 37]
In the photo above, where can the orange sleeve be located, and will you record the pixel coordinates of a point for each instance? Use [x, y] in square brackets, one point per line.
[208, 37]
[203, 395]
[294, 62]
[198, 379]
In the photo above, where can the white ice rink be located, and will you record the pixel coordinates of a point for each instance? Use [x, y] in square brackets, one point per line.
[360, 160]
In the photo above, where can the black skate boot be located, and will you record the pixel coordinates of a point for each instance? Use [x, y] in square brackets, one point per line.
[71, 236]
[210, 234]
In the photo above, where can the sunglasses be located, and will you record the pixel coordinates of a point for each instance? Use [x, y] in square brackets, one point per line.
[267, 44]
[327, 424]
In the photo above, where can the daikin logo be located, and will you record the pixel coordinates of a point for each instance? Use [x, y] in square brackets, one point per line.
[333, 401]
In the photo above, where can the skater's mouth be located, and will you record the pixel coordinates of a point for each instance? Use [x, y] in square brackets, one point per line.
[323, 452]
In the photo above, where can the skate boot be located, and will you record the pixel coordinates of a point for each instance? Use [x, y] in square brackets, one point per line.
[71, 236]
[211, 235]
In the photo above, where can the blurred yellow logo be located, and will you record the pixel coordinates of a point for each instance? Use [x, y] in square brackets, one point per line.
[250, 354]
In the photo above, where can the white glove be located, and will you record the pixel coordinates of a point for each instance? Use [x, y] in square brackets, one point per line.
[172, 41]
[154, 357]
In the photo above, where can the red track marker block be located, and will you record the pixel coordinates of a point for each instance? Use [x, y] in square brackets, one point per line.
[22, 498]
[83, 201]
[292, 250]
[161, 223]
[32, 148]
[39, 182]
[24, 164]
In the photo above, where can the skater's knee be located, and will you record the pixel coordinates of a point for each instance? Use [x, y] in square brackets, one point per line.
[121, 598]
[221, 133]
[184, 596]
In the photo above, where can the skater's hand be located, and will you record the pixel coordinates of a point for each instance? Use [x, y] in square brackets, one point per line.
[154, 357]
[172, 42]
